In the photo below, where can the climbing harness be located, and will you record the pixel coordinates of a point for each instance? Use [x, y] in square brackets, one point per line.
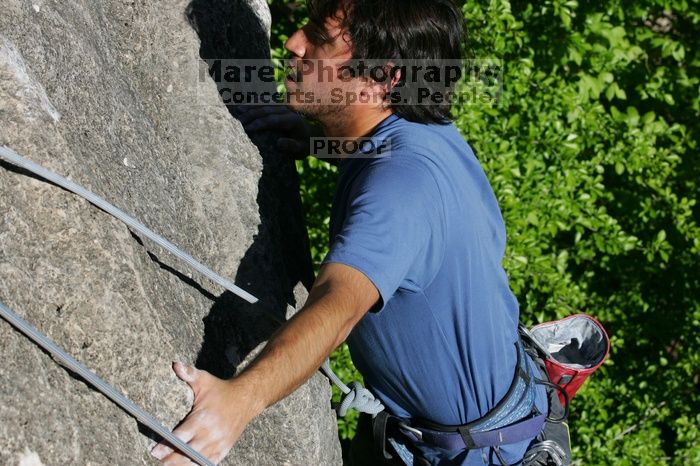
[514, 419]
[357, 397]
[106, 389]
[565, 353]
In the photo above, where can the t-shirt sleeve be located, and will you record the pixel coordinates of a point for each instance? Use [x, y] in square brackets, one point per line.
[393, 228]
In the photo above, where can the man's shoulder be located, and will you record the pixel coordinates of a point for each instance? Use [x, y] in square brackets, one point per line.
[400, 174]
[415, 156]
[422, 137]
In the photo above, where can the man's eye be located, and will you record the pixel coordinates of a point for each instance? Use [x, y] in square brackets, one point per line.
[315, 35]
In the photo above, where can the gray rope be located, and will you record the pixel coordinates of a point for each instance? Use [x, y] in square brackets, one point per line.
[72, 364]
[15, 159]
[357, 397]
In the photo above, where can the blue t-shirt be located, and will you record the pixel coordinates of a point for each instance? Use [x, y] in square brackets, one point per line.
[423, 224]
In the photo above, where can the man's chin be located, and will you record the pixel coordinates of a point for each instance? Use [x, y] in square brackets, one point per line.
[296, 103]
[308, 111]
[298, 107]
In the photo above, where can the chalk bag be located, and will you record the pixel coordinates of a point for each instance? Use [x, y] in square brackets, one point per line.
[575, 347]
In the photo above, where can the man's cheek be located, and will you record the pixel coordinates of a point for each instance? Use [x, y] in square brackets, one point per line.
[350, 98]
[337, 95]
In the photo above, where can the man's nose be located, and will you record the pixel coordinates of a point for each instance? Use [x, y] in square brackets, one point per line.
[296, 44]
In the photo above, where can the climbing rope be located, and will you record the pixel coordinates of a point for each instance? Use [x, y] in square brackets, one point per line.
[357, 397]
[67, 361]
[15, 159]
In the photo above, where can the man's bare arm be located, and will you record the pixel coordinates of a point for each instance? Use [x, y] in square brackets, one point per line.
[339, 298]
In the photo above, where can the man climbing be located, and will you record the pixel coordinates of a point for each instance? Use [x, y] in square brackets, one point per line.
[413, 280]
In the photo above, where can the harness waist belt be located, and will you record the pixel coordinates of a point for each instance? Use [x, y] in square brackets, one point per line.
[514, 419]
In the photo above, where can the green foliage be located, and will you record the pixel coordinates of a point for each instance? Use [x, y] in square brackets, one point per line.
[592, 152]
[317, 188]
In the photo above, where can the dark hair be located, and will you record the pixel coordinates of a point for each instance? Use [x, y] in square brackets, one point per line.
[404, 32]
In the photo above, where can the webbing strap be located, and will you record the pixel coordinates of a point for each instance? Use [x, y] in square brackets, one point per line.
[520, 431]
[106, 389]
[16, 159]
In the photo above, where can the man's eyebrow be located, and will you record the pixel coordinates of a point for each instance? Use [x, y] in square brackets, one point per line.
[317, 33]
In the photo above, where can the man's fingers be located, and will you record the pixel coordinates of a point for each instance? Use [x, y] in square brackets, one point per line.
[207, 428]
[210, 449]
[187, 429]
[184, 432]
[293, 146]
[283, 121]
[162, 450]
[177, 459]
[186, 373]
[253, 113]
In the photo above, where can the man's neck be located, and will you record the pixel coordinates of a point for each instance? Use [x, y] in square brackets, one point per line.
[356, 122]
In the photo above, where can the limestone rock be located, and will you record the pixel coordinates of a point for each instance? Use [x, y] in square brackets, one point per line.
[102, 93]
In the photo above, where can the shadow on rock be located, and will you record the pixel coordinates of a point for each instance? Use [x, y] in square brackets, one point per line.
[279, 257]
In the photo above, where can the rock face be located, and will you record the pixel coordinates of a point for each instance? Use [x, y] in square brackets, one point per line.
[102, 92]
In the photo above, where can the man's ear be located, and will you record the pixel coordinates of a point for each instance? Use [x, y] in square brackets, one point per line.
[380, 89]
[394, 74]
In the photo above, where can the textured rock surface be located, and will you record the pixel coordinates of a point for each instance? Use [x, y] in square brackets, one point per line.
[102, 93]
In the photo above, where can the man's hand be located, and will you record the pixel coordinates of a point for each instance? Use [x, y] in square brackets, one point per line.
[220, 412]
[294, 130]
[340, 297]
